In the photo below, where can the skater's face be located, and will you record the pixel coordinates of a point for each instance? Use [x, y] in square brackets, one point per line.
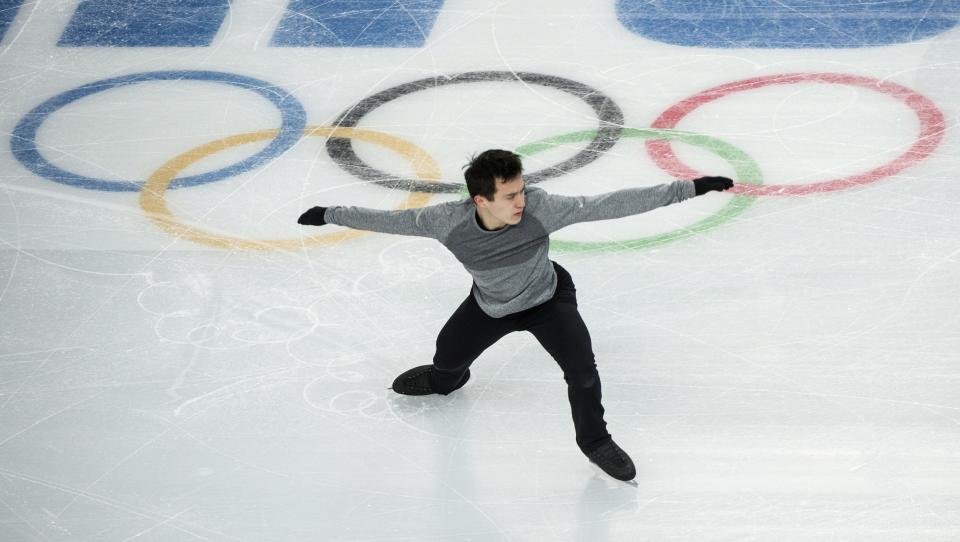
[506, 207]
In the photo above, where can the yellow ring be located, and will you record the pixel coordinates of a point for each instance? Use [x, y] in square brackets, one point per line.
[153, 202]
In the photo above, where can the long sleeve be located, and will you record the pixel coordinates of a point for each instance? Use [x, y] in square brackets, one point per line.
[433, 221]
[561, 211]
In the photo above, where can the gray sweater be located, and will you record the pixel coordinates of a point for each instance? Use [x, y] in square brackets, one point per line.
[510, 268]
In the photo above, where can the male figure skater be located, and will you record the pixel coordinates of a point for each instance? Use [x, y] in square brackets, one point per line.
[501, 236]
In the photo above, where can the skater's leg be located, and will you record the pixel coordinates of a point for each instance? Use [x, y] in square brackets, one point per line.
[558, 326]
[465, 336]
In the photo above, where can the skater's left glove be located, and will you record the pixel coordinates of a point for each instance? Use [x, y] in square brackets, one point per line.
[703, 185]
[313, 217]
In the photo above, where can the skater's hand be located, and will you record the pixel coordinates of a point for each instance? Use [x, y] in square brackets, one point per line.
[703, 185]
[313, 217]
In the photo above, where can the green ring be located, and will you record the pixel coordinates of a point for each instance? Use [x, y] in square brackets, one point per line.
[746, 169]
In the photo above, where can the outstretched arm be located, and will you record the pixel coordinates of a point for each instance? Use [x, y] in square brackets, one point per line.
[417, 222]
[566, 210]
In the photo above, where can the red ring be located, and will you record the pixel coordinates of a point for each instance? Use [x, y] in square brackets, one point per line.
[932, 127]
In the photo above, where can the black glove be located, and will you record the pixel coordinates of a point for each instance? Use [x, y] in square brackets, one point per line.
[706, 184]
[313, 217]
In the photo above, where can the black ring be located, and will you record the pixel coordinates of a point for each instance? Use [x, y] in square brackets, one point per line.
[608, 113]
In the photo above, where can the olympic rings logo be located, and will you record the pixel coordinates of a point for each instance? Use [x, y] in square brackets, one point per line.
[610, 129]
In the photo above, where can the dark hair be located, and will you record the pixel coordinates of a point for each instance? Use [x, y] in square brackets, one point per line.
[486, 168]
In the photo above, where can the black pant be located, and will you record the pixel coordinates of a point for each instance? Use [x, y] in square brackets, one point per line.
[558, 327]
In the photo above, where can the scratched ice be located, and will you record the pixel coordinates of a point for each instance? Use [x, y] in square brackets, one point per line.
[779, 366]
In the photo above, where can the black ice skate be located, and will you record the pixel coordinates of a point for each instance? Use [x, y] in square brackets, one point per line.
[614, 461]
[418, 381]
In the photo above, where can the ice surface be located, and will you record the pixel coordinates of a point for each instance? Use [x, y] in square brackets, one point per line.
[790, 373]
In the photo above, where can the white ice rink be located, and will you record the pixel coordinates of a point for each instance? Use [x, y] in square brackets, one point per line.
[187, 363]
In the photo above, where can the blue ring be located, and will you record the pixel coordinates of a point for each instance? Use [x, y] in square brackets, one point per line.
[24, 145]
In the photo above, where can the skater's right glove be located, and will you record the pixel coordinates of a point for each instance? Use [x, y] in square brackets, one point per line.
[706, 184]
[313, 217]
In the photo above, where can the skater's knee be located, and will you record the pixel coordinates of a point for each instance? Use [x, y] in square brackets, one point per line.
[586, 377]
